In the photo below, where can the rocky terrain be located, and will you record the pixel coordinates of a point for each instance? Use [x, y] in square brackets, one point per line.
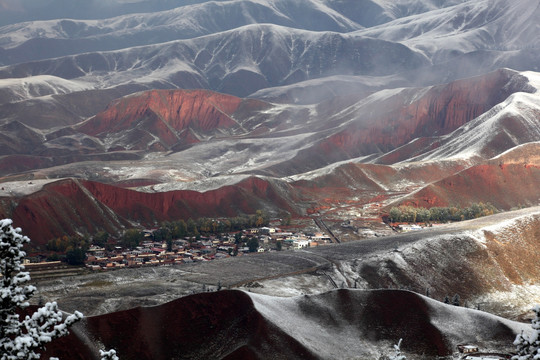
[314, 301]
[138, 112]
[483, 262]
[233, 324]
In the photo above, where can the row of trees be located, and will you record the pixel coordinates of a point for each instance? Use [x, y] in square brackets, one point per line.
[419, 214]
[74, 247]
[181, 228]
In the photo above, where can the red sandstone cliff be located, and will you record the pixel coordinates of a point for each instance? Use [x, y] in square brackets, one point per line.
[59, 208]
[243, 198]
[71, 206]
[415, 113]
[163, 118]
[510, 180]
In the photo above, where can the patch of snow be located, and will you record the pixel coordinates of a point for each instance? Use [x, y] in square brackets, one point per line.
[41, 86]
[519, 300]
[202, 185]
[533, 77]
[22, 188]
[326, 170]
[470, 140]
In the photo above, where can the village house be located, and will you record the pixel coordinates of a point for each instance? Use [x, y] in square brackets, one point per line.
[266, 230]
[300, 243]
[406, 228]
[467, 349]
[152, 253]
[96, 251]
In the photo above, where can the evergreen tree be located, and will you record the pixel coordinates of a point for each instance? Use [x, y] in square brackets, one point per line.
[132, 238]
[21, 339]
[456, 300]
[528, 346]
[253, 244]
[100, 239]
[76, 256]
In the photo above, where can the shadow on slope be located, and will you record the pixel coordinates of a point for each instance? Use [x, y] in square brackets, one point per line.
[338, 324]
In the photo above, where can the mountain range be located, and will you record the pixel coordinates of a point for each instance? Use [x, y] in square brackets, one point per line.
[132, 113]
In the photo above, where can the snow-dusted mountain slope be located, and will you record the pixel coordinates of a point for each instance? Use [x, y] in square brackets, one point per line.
[238, 61]
[404, 8]
[14, 90]
[15, 11]
[194, 18]
[345, 324]
[237, 56]
[470, 26]
[29, 41]
[508, 124]
[374, 318]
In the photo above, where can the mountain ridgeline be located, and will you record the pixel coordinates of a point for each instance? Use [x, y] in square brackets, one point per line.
[134, 113]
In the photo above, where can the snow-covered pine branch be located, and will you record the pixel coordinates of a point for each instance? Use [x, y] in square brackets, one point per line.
[397, 352]
[108, 354]
[21, 339]
[528, 346]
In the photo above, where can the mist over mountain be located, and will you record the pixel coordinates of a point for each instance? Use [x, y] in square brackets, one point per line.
[130, 113]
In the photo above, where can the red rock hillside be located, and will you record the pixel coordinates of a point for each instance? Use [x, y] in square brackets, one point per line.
[510, 180]
[71, 206]
[170, 115]
[396, 120]
[243, 198]
[59, 208]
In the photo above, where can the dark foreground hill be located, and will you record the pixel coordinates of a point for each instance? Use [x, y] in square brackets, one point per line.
[342, 324]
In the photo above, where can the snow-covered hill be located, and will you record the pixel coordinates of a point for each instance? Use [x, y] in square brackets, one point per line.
[14, 90]
[345, 324]
[508, 124]
[28, 41]
[342, 109]
[237, 62]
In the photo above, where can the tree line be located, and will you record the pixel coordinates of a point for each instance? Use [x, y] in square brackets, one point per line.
[193, 228]
[74, 247]
[413, 214]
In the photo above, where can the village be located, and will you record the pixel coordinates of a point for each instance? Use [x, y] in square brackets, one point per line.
[207, 248]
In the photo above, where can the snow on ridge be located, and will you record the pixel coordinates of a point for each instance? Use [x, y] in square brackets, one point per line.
[453, 319]
[533, 77]
[511, 150]
[326, 170]
[392, 7]
[464, 27]
[510, 227]
[41, 85]
[23, 188]
[366, 81]
[186, 17]
[203, 185]
[469, 140]
[314, 332]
